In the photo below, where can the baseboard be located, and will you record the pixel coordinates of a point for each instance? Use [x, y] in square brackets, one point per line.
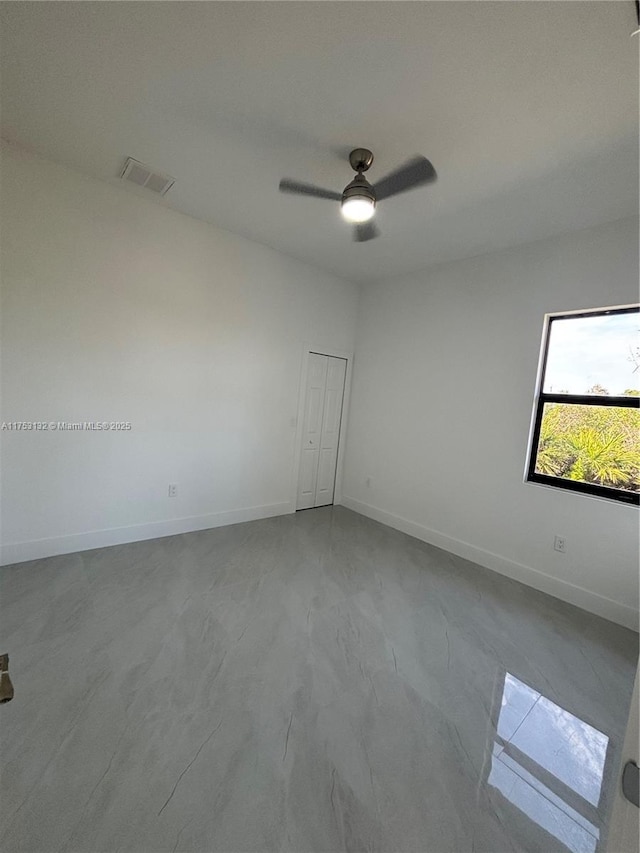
[19, 552]
[622, 614]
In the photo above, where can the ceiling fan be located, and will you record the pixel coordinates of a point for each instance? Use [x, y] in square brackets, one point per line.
[358, 199]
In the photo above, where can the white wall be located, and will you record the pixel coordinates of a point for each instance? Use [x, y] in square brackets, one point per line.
[441, 405]
[116, 308]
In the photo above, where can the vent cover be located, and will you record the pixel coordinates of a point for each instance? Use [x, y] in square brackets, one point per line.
[143, 176]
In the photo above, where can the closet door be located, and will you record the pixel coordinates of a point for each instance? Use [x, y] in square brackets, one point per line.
[312, 429]
[330, 434]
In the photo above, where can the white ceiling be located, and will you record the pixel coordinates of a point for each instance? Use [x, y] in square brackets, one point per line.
[528, 111]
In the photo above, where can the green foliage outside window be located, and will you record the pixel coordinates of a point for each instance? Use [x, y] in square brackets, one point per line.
[592, 444]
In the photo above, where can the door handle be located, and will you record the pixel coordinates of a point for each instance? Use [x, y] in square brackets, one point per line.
[6, 687]
[631, 782]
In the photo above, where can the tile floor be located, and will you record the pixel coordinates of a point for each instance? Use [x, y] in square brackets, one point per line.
[316, 682]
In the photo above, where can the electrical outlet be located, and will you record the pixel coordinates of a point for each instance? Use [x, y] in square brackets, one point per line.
[173, 490]
[560, 544]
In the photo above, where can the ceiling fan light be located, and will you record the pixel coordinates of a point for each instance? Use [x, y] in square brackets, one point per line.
[358, 208]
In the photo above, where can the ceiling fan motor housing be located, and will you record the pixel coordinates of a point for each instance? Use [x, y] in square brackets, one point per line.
[359, 188]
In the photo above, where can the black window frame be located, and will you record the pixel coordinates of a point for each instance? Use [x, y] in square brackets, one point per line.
[609, 492]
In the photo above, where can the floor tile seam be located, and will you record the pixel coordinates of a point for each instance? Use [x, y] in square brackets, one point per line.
[522, 722]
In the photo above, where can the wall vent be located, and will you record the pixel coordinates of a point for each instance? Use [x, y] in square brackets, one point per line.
[143, 176]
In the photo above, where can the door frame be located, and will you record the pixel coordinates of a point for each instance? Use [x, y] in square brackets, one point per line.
[302, 391]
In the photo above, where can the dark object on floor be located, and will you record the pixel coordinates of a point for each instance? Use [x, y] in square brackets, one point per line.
[6, 687]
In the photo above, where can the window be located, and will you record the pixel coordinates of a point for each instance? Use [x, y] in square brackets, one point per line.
[586, 434]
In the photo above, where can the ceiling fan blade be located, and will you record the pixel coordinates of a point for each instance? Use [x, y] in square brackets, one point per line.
[412, 174]
[365, 231]
[289, 186]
